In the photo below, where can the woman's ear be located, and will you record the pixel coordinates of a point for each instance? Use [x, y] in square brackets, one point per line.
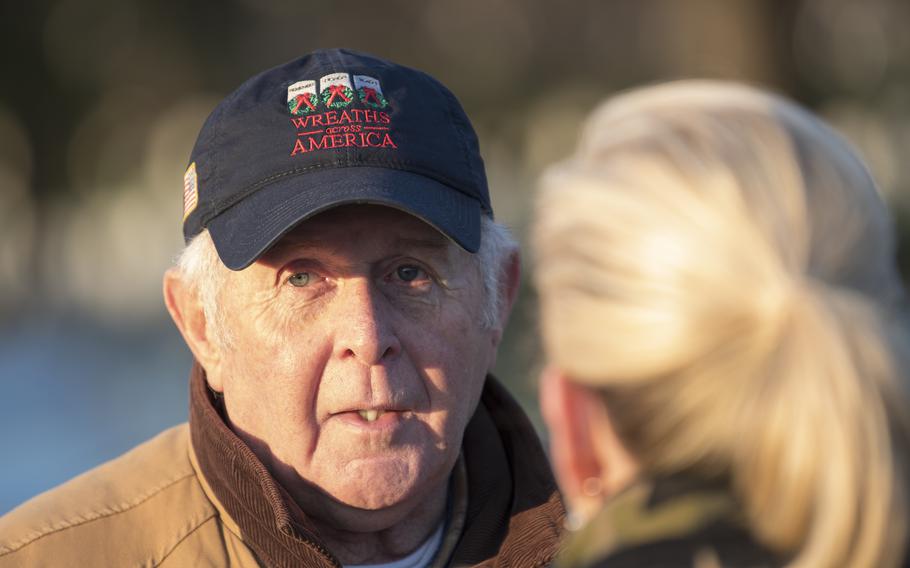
[184, 305]
[576, 463]
[590, 461]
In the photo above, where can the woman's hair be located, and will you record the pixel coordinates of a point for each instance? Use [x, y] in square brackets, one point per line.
[719, 264]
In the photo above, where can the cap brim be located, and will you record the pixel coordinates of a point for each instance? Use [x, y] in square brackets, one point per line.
[246, 230]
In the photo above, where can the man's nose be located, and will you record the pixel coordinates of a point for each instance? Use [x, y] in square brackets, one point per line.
[364, 331]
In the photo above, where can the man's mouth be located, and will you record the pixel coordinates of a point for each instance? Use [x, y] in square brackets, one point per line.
[373, 418]
[370, 415]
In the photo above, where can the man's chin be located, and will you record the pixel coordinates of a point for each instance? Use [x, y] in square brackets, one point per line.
[372, 493]
[380, 482]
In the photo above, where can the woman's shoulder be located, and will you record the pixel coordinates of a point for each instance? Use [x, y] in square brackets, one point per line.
[669, 523]
[718, 545]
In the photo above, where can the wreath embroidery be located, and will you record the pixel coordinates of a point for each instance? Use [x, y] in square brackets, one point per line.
[372, 98]
[337, 96]
[302, 104]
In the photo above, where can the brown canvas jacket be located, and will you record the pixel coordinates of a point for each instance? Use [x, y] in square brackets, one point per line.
[195, 495]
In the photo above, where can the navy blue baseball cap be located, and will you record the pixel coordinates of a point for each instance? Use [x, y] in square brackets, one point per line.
[331, 128]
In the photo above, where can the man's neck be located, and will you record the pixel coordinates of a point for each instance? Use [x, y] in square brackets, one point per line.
[388, 544]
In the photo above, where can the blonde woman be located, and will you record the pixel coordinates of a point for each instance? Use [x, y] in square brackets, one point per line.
[721, 313]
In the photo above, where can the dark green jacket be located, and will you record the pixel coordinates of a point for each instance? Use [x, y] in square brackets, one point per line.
[668, 524]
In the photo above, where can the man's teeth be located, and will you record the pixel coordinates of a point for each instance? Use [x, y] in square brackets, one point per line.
[370, 415]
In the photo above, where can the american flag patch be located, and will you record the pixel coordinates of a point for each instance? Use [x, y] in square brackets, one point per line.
[190, 191]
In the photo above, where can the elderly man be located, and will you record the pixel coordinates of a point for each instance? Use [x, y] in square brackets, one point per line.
[343, 290]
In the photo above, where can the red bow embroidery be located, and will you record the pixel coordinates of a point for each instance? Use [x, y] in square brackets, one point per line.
[337, 91]
[301, 100]
[370, 93]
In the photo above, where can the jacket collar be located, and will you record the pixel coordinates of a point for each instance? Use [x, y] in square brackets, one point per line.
[514, 516]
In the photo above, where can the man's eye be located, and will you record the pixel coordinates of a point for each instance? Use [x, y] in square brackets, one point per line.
[409, 273]
[299, 279]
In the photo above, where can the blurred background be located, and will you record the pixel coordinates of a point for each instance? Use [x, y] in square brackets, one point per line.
[101, 100]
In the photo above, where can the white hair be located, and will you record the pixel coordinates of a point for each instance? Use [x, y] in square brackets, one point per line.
[496, 245]
[200, 266]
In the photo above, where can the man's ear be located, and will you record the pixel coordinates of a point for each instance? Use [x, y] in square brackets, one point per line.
[184, 305]
[508, 292]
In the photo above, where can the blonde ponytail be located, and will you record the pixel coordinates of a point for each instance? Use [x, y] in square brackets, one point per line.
[818, 467]
[719, 264]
